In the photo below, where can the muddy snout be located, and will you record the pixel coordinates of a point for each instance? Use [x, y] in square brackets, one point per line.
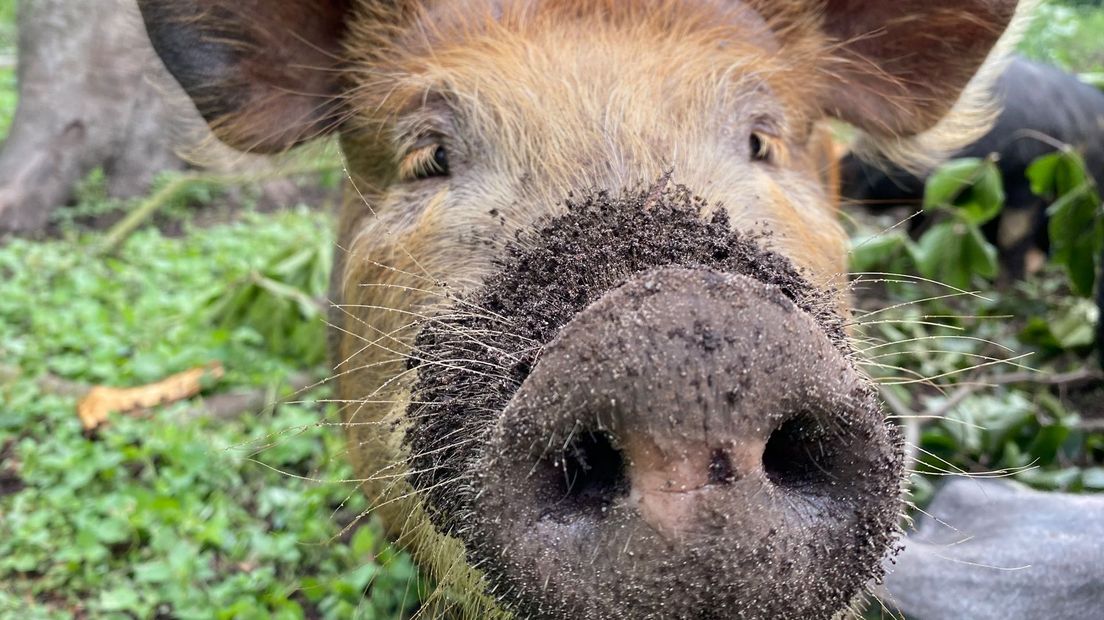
[678, 399]
[691, 440]
[646, 414]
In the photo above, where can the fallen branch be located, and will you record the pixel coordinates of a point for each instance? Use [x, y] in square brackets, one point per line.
[181, 183]
[912, 419]
[1077, 377]
[226, 406]
[101, 401]
[1091, 426]
[231, 405]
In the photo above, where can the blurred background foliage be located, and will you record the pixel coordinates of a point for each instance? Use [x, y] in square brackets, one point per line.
[992, 370]
[173, 516]
[1068, 34]
[170, 514]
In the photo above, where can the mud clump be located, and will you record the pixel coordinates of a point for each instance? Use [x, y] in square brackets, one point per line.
[647, 286]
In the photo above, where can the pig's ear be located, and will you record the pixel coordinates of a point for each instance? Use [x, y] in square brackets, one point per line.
[901, 69]
[264, 73]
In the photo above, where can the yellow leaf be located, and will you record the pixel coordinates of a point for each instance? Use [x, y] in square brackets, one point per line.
[100, 401]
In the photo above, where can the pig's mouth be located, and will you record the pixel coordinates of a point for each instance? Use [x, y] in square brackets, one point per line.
[644, 414]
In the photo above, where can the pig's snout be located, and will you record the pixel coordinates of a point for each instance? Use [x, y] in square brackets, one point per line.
[679, 397]
[691, 441]
[645, 414]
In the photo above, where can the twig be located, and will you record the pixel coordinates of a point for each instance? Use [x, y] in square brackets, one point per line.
[904, 412]
[123, 229]
[231, 405]
[1076, 377]
[226, 406]
[1091, 426]
[145, 210]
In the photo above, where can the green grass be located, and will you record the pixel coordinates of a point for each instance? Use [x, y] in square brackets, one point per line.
[8, 91]
[160, 515]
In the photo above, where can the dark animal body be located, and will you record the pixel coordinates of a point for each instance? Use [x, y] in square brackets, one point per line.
[573, 391]
[1042, 109]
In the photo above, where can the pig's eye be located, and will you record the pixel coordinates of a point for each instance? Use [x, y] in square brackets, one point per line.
[424, 162]
[760, 147]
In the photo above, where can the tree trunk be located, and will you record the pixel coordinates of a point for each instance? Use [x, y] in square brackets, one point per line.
[91, 94]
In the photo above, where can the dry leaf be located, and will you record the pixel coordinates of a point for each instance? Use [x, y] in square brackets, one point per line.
[100, 401]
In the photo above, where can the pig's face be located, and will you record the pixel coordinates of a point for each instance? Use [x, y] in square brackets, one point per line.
[487, 122]
[588, 327]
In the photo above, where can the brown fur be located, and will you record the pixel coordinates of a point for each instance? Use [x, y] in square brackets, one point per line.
[539, 140]
[534, 99]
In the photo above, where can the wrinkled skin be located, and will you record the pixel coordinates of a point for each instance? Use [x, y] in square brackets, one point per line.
[518, 297]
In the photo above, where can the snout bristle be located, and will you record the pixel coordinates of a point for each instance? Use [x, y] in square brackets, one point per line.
[545, 278]
[486, 414]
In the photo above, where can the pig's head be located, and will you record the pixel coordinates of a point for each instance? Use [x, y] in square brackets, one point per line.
[572, 390]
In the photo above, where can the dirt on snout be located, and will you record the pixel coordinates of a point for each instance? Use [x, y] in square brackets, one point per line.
[493, 337]
[474, 357]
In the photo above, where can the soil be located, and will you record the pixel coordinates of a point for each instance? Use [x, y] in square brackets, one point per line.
[545, 279]
[493, 340]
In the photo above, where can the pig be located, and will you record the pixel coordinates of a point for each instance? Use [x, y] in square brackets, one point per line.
[589, 302]
[1042, 109]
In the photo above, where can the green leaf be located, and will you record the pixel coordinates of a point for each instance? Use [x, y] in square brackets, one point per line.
[363, 543]
[949, 181]
[1075, 327]
[1054, 480]
[953, 252]
[1076, 224]
[971, 187]
[1048, 440]
[1077, 237]
[112, 531]
[933, 251]
[1041, 174]
[119, 599]
[1093, 478]
[979, 255]
[871, 254]
[152, 572]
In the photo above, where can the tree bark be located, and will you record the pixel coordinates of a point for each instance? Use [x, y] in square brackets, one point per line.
[92, 93]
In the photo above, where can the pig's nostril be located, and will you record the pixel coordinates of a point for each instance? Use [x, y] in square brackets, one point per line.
[799, 454]
[690, 445]
[585, 478]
